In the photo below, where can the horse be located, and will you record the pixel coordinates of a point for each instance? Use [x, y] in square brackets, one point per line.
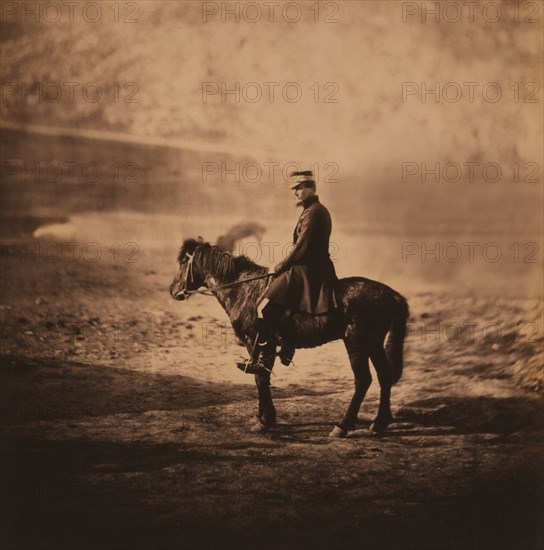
[239, 231]
[367, 312]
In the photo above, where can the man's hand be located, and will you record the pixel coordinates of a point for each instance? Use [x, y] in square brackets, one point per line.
[278, 269]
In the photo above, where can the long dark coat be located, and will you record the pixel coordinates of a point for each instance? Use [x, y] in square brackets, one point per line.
[307, 277]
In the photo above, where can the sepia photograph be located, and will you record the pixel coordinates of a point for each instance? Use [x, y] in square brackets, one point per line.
[271, 275]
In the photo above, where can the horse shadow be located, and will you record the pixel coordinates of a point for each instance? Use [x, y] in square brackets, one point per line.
[465, 415]
[435, 417]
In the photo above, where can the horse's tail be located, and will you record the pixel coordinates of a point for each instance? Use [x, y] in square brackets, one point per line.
[395, 339]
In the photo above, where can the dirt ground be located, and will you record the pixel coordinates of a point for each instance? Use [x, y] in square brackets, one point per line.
[125, 423]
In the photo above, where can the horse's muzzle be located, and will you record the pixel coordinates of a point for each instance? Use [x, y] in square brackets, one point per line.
[180, 295]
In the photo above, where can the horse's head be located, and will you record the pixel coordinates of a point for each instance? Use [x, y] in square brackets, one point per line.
[188, 276]
[202, 264]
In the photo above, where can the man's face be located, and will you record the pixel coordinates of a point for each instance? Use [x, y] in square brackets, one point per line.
[302, 193]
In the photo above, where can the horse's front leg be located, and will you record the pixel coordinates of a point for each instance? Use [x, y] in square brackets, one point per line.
[267, 412]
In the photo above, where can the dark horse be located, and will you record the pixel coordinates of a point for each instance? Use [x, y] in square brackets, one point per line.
[367, 311]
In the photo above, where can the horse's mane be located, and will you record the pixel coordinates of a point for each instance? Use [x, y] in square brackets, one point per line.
[222, 265]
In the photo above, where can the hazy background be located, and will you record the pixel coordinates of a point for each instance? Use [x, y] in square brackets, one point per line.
[161, 60]
[124, 422]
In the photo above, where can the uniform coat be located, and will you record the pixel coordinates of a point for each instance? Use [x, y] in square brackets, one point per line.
[307, 277]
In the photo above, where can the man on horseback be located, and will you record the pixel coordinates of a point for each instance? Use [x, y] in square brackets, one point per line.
[304, 281]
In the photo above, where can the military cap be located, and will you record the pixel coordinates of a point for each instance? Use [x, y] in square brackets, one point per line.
[307, 179]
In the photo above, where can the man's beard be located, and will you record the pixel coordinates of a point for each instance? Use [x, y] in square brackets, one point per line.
[299, 203]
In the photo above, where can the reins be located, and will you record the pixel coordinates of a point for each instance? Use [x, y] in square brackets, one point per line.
[209, 292]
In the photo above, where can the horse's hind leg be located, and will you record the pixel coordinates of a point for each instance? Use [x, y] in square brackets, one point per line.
[361, 371]
[385, 377]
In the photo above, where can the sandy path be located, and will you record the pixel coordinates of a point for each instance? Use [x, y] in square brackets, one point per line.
[125, 425]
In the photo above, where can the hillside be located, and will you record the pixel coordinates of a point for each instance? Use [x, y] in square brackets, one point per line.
[151, 74]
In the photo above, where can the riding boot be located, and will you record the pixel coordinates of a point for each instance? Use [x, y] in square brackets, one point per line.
[264, 350]
[287, 349]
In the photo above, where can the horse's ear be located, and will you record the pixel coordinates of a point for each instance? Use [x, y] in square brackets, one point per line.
[188, 247]
[200, 240]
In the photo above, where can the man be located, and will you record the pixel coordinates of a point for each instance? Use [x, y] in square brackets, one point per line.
[304, 281]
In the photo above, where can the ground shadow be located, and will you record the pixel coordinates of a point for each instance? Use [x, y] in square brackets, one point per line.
[51, 389]
[476, 414]
[436, 417]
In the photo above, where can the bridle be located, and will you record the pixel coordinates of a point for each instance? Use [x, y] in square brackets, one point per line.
[209, 292]
[183, 291]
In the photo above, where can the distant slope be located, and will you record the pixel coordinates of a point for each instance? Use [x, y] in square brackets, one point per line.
[151, 76]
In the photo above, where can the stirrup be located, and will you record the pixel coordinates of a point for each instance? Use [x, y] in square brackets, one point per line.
[251, 367]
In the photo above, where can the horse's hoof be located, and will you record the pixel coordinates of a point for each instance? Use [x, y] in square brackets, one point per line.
[258, 428]
[379, 427]
[337, 432]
